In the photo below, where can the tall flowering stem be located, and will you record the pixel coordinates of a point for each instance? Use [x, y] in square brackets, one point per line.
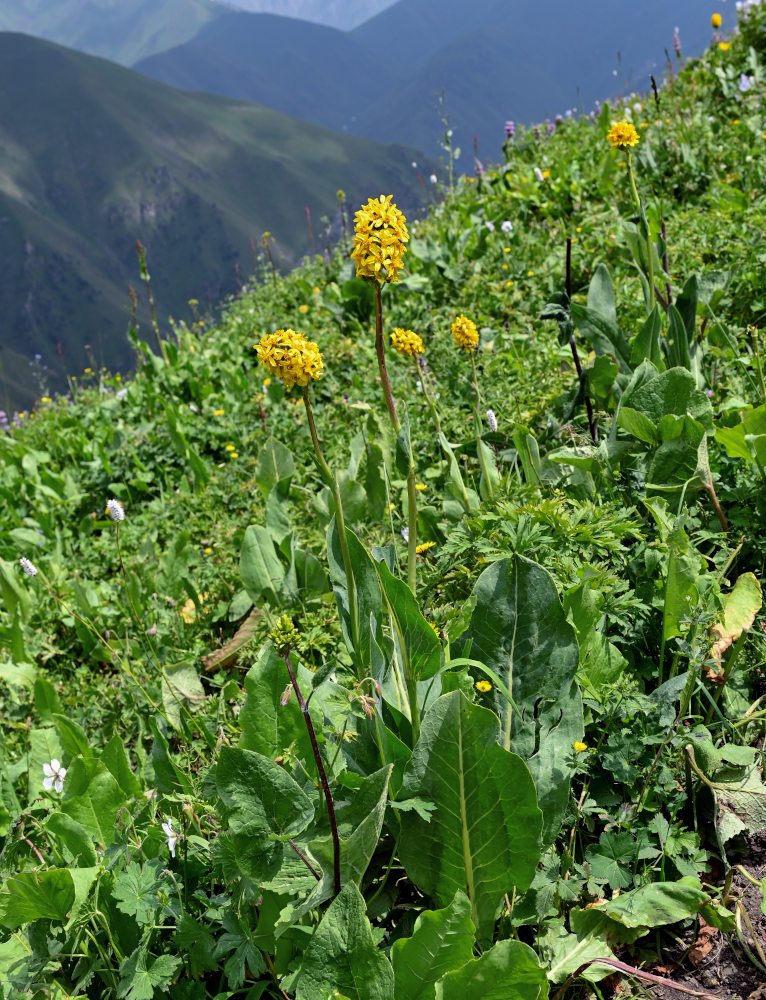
[283, 637]
[623, 136]
[466, 336]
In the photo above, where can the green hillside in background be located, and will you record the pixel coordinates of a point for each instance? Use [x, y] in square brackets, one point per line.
[123, 31]
[94, 156]
[344, 14]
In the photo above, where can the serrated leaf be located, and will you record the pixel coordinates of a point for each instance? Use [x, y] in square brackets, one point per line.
[135, 891]
[140, 975]
[29, 896]
[484, 834]
[611, 857]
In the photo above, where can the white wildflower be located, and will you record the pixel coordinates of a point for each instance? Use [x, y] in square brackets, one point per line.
[406, 534]
[115, 510]
[492, 420]
[434, 179]
[507, 226]
[539, 175]
[54, 775]
[490, 226]
[28, 566]
[167, 829]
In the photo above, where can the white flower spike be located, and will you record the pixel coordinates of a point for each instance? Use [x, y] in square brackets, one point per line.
[115, 510]
[167, 829]
[54, 775]
[492, 420]
[28, 566]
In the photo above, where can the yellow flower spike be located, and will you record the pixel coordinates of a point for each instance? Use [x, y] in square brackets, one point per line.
[465, 333]
[406, 342]
[483, 686]
[715, 21]
[622, 135]
[579, 747]
[290, 356]
[380, 235]
[424, 547]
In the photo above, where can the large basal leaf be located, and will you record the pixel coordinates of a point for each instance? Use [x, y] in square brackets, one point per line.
[260, 568]
[740, 606]
[441, 942]
[519, 630]
[92, 797]
[342, 958]
[275, 467]
[484, 833]
[507, 971]
[672, 392]
[36, 896]
[685, 568]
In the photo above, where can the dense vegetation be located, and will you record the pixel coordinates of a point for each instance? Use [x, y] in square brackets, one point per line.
[253, 748]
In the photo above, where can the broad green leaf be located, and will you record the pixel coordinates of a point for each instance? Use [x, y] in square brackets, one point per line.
[564, 952]
[740, 606]
[602, 334]
[73, 737]
[29, 896]
[268, 727]
[275, 467]
[369, 599]
[646, 343]
[419, 647]
[116, 760]
[92, 797]
[44, 746]
[656, 904]
[637, 424]
[74, 837]
[529, 454]
[135, 891]
[611, 858]
[260, 795]
[674, 391]
[519, 630]
[342, 957]
[46, 700]
[170, 779]
[484, 834]
[141, 975]
[601, 294]
[260, 568]
[685, 568]
[509, 970]
[442, 940]
[181, 687]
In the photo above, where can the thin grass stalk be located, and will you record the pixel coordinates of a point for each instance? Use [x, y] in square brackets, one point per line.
[644, 225]
[477, 410]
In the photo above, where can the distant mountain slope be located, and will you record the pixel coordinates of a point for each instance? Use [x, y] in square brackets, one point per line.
[316, 73]
[496, 59]
[94, 156]
[344, 14]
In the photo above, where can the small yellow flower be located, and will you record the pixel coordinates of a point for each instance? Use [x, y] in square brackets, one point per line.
[506, 249]
[406, 342]
[465, 334]
[724, 46]
[46, 399]
[436, 630]
[233, 454]
[230, 447]
[208, 550]
[316, 290]
[424, 547]
[267, 382]
[380, 234]
[715, 21]
[392, 506]
[546, 174]
[505, 267]
[578, 229]
[218, 413]
[88, 371]
[579, 747]
[290, 356]
[483, 686]
[530, 274]
[303, 309]
[622, 135]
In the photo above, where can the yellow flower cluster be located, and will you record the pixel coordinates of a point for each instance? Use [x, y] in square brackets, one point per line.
[715, 20]
[465, 334]
[380, 235]
[622, 135]
[406, 342]
[290, 356]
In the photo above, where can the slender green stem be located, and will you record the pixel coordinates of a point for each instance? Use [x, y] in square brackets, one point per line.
[381, 353]
[757, 355]
[332, 481]
[645, 230]
[477, 409]
[429, 400]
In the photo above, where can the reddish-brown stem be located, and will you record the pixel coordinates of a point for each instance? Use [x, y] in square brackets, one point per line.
[320, 768]
[305, 860]
[638, 973]
[710, 490]
[592, 425]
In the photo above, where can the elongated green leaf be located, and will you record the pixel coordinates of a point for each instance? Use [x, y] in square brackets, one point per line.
[685, 566]
[74, 836]
[740, 607]
[342, 958]
[507, 971]
[518, 629]
[564, 952]
[417, 640]
[484, 834]
[275, 467]
[35, 896]
[259, 565]
[441, 941]
[602, 334]
[656, 904]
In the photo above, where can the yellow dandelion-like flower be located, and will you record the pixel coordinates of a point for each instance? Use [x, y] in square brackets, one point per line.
[303, 309]
[218, 413]
[421, 487]
[465, 333]
[316, 290]
[290, 356]
[579, 747]
[715, 21]
[231, 447]
[622, 135]
[724, 46]
[424, 547]
[233, 454]
[483, 686]
[380, 235]
[406, 342]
